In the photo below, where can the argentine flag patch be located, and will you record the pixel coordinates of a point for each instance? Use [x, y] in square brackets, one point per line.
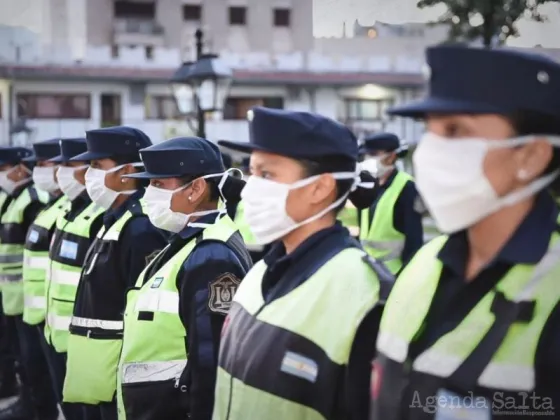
[300, 366]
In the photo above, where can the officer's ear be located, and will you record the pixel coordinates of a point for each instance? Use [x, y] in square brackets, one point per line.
[197, 190]
[532, 159]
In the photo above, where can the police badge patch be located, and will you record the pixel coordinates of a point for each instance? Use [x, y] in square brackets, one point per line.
[222, 291]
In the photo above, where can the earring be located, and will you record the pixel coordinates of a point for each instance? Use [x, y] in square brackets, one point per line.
[190, 197]
[522, 175]
[123, 180]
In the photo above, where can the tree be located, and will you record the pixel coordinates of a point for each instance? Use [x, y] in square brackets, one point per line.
[486, 19]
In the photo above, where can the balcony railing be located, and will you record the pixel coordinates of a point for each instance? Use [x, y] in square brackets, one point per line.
[137, 26]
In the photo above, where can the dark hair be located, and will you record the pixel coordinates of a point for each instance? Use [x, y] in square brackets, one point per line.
[533, 123]
[231, 190]
[360, 197]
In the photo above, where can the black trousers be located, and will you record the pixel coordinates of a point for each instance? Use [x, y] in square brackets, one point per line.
[9, 349]
[37, 386]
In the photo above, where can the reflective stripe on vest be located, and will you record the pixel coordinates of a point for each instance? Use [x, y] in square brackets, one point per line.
[304, 355]
[148, 346]
[511, 368]
[12, 249]
[95, 344]
[380, 238]
[71, 239]
[36, 260]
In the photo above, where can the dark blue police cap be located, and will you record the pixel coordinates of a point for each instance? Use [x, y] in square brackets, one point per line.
[44, 150]
[381, 142]
[69, 148]
[299, 135]
[109, 142]
[179, 157]
[482, 81]
[14, 155]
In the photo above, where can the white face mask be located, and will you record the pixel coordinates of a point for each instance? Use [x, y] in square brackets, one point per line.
[264, 204]
[158, 207]
[43, 177]
[98, 191]
[449, 175]
[7, 184]
[375, 166]
[68, 183]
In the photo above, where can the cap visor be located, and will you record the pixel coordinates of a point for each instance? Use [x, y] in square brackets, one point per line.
[149, 175]
[243, 146]
[419, 109]
[32, 159]
[89, 156]
[57, 159]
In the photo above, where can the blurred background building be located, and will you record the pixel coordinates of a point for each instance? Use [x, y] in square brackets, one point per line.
[70, 65]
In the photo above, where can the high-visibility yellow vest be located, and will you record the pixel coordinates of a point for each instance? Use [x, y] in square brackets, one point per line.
[154, 351]
[348, 216]
[286, 358]
[71, 240]
[380, 239]
[510, 369]
[95, 344]
[36, 260]
[11, 248]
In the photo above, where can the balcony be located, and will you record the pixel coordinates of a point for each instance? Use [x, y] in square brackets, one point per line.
[141, 32]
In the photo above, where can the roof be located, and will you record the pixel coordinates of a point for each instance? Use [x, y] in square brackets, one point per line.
[257, 77]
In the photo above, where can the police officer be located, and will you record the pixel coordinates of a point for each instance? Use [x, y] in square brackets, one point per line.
[193, 279]
[295, 344]
[476, 312]
[391, 228]
[27, 202]
[256, 250]
[74, 232]
[123, 246]
[35, 263]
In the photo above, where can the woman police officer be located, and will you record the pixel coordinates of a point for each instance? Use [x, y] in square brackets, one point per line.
[176, 309]
[471, 327]
[291, 347]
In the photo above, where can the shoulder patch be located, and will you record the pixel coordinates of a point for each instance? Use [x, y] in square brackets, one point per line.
[222, 291]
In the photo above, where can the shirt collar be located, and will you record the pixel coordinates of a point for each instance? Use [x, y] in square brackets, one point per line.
[190, 232]
[114, 214]
[536, 229]
[391, 178]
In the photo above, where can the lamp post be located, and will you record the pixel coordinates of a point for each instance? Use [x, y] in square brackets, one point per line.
[201, 86]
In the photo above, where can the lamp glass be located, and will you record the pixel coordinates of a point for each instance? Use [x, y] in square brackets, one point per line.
[184, 98]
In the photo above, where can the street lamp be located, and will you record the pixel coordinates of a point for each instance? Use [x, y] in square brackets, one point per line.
[201, 86]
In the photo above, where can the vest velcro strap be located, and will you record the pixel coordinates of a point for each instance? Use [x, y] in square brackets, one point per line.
[58, 323]
[254, 248]
[11, 258]
[393, 347]
[71, 278]
[152, 371]
[10, 278]
[35, 302]
[97, 323]
[39, 263]
[156, 300]
[111, 235]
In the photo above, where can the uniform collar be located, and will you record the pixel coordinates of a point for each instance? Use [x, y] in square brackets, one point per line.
[190, 232]
[18, 190]
[80, 200]
[112, 215]
[536, 229]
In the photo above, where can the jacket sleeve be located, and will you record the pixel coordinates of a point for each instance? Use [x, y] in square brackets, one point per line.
[409, 221]
[140, 241]
[547, 362]
[206, 284]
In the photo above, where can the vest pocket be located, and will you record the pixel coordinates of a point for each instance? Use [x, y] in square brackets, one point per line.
[154, 400]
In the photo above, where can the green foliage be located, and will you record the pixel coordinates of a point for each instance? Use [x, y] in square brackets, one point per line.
[485, 19]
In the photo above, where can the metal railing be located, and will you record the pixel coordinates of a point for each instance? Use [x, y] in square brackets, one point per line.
[137, 26]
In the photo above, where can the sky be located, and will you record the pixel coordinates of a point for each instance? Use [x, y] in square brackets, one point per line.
[329, 16]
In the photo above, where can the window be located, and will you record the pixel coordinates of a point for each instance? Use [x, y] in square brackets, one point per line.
[128, 9]
[160, 107]
[237, 15]
[192, 12]
[281, 17]
[236, 108]
[149, 52]
[114, 51]
[49, 105]
[367, 110]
